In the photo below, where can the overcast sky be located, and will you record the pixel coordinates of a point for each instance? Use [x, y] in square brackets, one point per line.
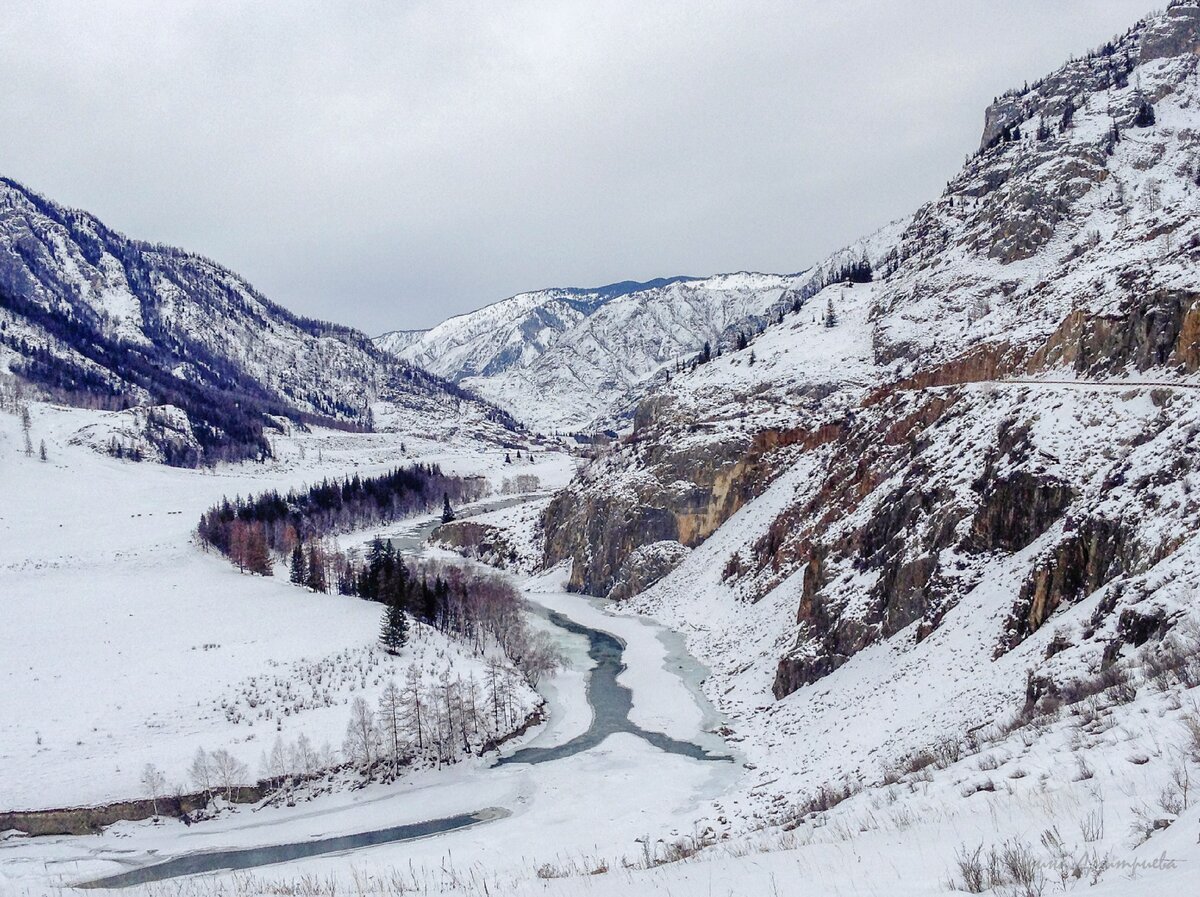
[387, 164]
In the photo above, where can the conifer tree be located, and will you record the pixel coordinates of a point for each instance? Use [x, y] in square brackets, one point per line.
[1145, 115]
[447, 511]
[26, 424]
[393, 632]
[316, 569]
[299, 568]
[1068, 115]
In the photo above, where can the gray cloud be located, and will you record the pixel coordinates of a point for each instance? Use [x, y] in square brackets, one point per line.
[388, 164]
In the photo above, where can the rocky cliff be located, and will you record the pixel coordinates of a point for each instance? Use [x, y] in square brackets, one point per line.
[1003, 417]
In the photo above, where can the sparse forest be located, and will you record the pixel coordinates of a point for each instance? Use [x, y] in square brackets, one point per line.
[477, 609]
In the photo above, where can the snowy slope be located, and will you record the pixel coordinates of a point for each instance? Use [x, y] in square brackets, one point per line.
[396, 341]
[126, 643]
[569, 359]
[933, 536]
[90, 316]
[982, 470]
[513, 330]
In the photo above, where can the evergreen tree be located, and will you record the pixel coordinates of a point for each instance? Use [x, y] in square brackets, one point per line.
[316, 569]
[299, 568]
[1068, 115]
[1145, 115]
[393, 632]
[447, 511]
[26, 424]
[830, 314]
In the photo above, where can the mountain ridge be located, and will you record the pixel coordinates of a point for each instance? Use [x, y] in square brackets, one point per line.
[989, 423]
[88, 315]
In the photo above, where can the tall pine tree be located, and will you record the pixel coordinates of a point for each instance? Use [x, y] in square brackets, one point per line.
[299, 568]
[393, 633]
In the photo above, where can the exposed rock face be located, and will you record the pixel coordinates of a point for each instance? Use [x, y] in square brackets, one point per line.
[1176, 34]
[1015, 510]
[1093, 553]
[690, 495]
[645, 566]
[1153, 328]
[999, 416]
[478, 541]
[89, 820]
[683, 494]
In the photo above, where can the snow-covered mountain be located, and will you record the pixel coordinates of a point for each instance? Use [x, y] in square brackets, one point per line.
[395, 341]
[510, 332]
[571, 359]
[92, 317]
[979, 463]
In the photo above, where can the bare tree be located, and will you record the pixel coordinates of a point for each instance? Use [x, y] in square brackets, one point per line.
[155, 784]
[277, 765]
[201, 772]
[414, 704]
[304, 758]
[391, 720]
[228, 772]
[495, 692]
[538, 657]
[362, 736]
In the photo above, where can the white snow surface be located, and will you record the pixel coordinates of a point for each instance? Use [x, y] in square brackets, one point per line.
[125, 642]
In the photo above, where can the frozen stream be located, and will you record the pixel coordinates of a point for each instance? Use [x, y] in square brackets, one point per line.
[610, 702]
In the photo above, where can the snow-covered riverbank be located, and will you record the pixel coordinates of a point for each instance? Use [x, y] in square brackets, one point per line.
[111, 566]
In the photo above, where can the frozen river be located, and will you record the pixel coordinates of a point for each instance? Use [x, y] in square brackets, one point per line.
[597, 666]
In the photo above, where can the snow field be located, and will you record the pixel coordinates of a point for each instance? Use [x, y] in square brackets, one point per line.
[125, 644]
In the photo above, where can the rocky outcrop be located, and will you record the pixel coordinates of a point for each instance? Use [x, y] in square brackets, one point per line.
[1153, 328]
[644, 567]
[975, 432]
[1016, 509]
[682, 494]
[1094, 551]
[478, 541]
[1176, 33]
[89, 820]
[598, 532]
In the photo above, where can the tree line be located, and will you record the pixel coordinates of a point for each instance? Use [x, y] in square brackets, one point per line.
[251, 531]
[479, 609]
